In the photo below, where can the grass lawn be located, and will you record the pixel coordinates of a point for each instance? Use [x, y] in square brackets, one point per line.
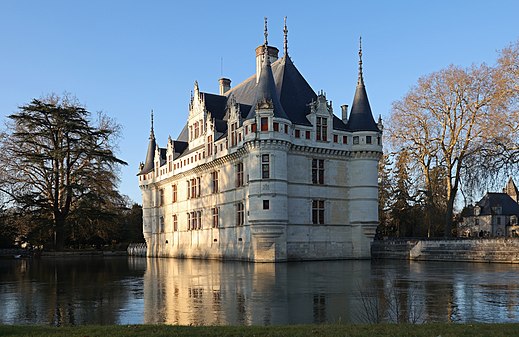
[343, 330]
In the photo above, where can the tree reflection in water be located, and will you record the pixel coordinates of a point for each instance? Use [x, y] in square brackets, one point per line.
[86, 290]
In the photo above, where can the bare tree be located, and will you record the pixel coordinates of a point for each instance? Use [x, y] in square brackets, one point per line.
[451, 119]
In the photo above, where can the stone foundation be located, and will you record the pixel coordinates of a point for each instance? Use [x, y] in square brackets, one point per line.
[500, 250]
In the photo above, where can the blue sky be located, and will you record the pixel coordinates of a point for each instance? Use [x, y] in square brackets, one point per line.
[128, 57]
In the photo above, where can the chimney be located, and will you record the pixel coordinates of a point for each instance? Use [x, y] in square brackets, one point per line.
[273, 56]
[225, 85]
[344, 109]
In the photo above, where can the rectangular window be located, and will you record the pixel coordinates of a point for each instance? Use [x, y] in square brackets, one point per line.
[355, 140]
[321, 129]
[368, 139]
[215, 217]
[197, 132]
[239, 174]
[188, 221]
[266, 204]
[161, 197]
[335, 138]
[318, 212]
[318, 171]
[162, 224]
[345, 139]
[240, 214]
[170, 163]
[378, 140]
[265, 166]
[307, 134]
[286, 128]
[199, 219]
[234, 127]
[298, 133]
[174, 193]
[210, 145]
[253, 128]
[264, 124]
[175, 223]
[276, 126]
[214, 181]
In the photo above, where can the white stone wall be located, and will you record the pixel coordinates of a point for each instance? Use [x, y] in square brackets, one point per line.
[283, 232]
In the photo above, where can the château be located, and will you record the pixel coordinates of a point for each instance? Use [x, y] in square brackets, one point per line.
[264, 171]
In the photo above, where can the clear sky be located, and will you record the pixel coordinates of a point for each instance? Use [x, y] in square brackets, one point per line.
[128, 57]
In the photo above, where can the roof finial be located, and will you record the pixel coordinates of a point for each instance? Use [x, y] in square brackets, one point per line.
[266, 33]
[152, 132]
[285, 33]
[361, 78]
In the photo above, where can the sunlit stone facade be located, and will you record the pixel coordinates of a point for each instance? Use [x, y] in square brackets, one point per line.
[265, 172]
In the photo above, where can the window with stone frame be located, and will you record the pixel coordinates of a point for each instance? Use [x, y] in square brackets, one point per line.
[210, 145]
[214, 181]
[240, 214]
[368, 139]
[174, 193]
[234, 136]
[239, 174]
[355, 140]
[161, 197]
[162, 224]
[264, 124]
[265, 166]
[175, 223]
[215, 212]
[321, 129]
[318, 171]
[318, 212]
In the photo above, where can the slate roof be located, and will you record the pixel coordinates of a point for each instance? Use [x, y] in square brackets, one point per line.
[361, 117]
[150, 155]
[503, 200]
[291, 95]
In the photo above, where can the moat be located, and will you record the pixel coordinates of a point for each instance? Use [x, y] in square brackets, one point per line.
[120, 290]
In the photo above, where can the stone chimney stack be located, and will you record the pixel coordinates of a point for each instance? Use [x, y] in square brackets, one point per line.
[273, 56]
[225, 85]
[344, 109]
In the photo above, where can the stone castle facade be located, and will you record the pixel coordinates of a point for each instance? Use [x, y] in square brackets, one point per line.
[265, 172]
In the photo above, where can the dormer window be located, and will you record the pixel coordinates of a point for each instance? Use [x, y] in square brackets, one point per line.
[321, 126]
[264, 124]
[477, 210]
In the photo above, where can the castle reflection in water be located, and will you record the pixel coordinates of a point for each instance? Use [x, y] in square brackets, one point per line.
[64, 291]
[214, 293]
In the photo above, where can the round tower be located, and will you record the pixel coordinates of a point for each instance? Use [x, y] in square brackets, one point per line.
[362, 171]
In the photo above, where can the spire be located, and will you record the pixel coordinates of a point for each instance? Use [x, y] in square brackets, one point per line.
[266, 32]
[152, 132]
[266, 96]
[150, 155]
[361, 77]
[285, 35]
[361, 117]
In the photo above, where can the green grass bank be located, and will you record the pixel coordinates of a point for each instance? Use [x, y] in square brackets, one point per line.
[328, 330]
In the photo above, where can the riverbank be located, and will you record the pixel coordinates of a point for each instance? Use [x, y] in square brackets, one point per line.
[351, 330]
[494, 250]
[24, 253]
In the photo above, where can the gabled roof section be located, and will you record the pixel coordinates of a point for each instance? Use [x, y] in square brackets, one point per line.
[215, 104]
[492, 200]
[361, 117]
[266, 91]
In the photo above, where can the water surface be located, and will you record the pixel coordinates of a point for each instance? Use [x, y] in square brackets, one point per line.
[121, 290]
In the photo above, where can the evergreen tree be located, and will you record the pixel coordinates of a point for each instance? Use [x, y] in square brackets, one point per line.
[55, 158]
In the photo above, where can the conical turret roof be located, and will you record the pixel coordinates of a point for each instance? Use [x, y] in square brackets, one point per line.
[266, 91]
[361, 117]
[150, 155]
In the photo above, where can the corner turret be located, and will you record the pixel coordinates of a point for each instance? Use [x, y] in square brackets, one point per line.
[150, 155]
